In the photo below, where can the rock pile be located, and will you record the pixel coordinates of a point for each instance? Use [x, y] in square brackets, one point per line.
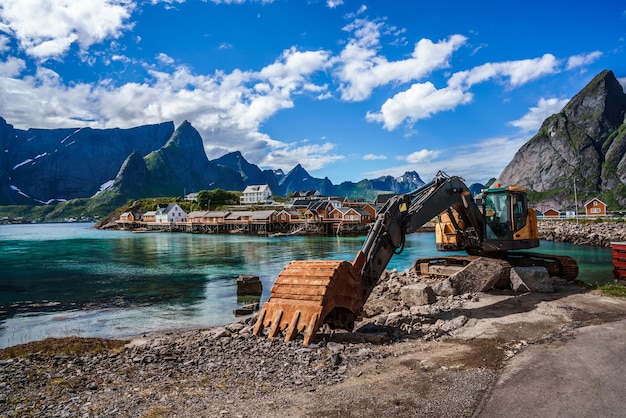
[407, 303]
[599, 234]
[172, 372]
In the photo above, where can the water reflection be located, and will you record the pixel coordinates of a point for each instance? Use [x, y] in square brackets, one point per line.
[118, 283]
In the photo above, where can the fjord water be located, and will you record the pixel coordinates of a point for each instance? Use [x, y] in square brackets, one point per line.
[58, 280]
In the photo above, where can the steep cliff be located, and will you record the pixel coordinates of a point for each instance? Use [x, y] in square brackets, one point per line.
[41, 165]
[180, 166]
[251, 174]
[45, 166]
[585, 143]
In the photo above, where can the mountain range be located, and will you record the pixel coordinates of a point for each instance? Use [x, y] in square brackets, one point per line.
[43, 166]
[583, 145]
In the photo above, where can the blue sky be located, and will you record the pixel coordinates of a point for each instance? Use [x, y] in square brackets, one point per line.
[350, 90]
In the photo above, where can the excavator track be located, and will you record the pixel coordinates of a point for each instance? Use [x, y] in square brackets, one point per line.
[307, 294]
[557, 265]
[561, 266]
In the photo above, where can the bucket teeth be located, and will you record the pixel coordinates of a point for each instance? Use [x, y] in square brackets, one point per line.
[305, 293]
[292, 329]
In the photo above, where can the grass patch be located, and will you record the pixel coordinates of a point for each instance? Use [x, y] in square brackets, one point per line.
[62, 346]
[616, 290]
[158, 412]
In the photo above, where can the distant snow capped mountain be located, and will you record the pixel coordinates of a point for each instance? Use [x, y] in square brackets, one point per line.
[49, 165]
[44, 166]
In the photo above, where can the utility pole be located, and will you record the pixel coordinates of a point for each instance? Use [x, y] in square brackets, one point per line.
[575, 202]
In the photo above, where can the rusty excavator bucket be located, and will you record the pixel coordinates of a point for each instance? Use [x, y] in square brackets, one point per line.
[307, 294]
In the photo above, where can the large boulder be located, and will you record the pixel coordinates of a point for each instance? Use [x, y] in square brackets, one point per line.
[531, 279]
[480, 275]
[417, 295]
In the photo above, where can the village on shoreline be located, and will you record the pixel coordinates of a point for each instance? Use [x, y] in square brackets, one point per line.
[307, 213]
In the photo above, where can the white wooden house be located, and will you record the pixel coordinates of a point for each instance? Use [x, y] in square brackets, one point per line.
[170, 213]
[256, 194]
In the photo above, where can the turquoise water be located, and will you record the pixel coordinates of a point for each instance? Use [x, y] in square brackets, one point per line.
[70, 279]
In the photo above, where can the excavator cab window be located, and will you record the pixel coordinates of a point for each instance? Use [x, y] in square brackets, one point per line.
[497, 215]
[519, 205]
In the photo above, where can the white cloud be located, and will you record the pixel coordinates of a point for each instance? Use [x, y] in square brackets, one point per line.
[4, 43]
[311, 157]
[582, 59]
[360, 69]
[121, 58]
[372, 157]
[518, 72]
[228, 109]
[241, 1]
[333, 3]
[532, 120]
[165, 59]
[417, 157]
[420, 101]
[42, 97]
[153, 2]
[47, 28]
[12, 67]
[468, 162]
[622, 81]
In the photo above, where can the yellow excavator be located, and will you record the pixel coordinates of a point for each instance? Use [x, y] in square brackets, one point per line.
[309, 293]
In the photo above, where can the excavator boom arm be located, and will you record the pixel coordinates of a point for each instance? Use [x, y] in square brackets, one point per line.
[405, 214]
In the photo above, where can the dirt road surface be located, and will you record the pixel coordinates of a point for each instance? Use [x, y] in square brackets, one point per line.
[549, 355]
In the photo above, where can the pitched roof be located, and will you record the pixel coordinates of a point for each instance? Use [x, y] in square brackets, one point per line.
[239, 214]
[257, 188]
[217, 214]
[167, 209]
[262, 214]
[595, 198]
[197, 214]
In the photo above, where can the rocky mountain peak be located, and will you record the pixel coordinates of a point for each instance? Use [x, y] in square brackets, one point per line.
[585, 144]
[132, 175]
[299, 170]
[599, 107]
[186, 139]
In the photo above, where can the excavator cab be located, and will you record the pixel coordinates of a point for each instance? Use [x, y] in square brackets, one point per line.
[508, 223]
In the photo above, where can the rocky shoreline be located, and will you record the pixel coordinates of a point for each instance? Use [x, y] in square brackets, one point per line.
[599, 234]
[439, 358]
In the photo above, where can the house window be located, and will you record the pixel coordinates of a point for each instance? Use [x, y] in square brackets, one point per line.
[595, 210]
